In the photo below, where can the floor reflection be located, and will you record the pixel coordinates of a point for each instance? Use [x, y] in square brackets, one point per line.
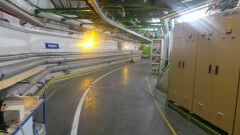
[125, 76]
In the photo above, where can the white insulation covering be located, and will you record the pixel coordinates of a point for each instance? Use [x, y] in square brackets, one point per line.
[15, 38]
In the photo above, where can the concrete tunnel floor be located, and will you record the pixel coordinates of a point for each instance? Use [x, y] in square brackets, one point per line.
[118, 104]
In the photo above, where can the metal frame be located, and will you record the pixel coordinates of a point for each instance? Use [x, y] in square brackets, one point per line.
[43, 104]
[153, 70]
[161, 72]
[191, 117]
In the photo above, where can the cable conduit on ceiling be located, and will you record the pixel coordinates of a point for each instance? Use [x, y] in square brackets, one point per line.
[200, 6]
[49, 16]
[6, 25]
[11, 8]
[17, 8]
[98, 10]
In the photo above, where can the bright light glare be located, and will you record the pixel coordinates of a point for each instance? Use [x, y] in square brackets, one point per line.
[193, 16]
[88, 43]
[125, 46]
[156, 24]
[155, 20]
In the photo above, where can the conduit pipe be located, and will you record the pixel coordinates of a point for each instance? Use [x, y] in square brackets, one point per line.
[166, 25]
[11, 8]
[30, 55]
[49, 16]
[98, 10]
[16, 68]
[85, 64]
[13, 69]
[189, 10]
[238, 4]
[199, 6]
[20, 89]
[123, 11]
[58, 18]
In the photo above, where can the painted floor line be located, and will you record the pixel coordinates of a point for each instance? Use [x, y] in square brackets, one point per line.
[59, 88]
[162, 114]
[79, 107]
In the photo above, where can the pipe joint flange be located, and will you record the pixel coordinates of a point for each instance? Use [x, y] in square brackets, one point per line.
[62, 63]
[1, 75]
[65, 59]
[26, 55]
[66, 71]
[16, 92]
[23, 56]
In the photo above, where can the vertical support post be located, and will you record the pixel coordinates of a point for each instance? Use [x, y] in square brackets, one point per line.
[168, 85]
[238, 3]
[132, 61]
[44, 106]
[189, 117]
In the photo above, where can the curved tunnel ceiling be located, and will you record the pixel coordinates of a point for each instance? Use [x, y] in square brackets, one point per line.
[144, 16]
[141, 16]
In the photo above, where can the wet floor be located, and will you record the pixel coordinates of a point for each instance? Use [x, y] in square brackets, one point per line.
[118, 104]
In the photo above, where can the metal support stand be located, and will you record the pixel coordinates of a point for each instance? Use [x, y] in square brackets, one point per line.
[132, 61]
[43, 96]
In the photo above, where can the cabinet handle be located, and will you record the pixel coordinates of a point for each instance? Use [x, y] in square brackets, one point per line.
[179, 63]
[210, 69]
[216, 70]
[183, 64]
[200, 104]
[220, 114]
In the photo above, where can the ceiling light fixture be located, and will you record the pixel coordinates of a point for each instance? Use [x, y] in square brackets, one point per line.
[193, 16]
[155, 20]
[157, 24]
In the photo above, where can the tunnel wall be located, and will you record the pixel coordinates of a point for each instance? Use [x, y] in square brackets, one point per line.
[23, 48]
[20, 47]
[15, 38]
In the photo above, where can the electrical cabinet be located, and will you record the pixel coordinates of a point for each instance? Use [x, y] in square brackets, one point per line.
[204, 66]
[188, 60]
[206, 69]
[217, 70]
[175, 89]
[226, 72]
[183, 64]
